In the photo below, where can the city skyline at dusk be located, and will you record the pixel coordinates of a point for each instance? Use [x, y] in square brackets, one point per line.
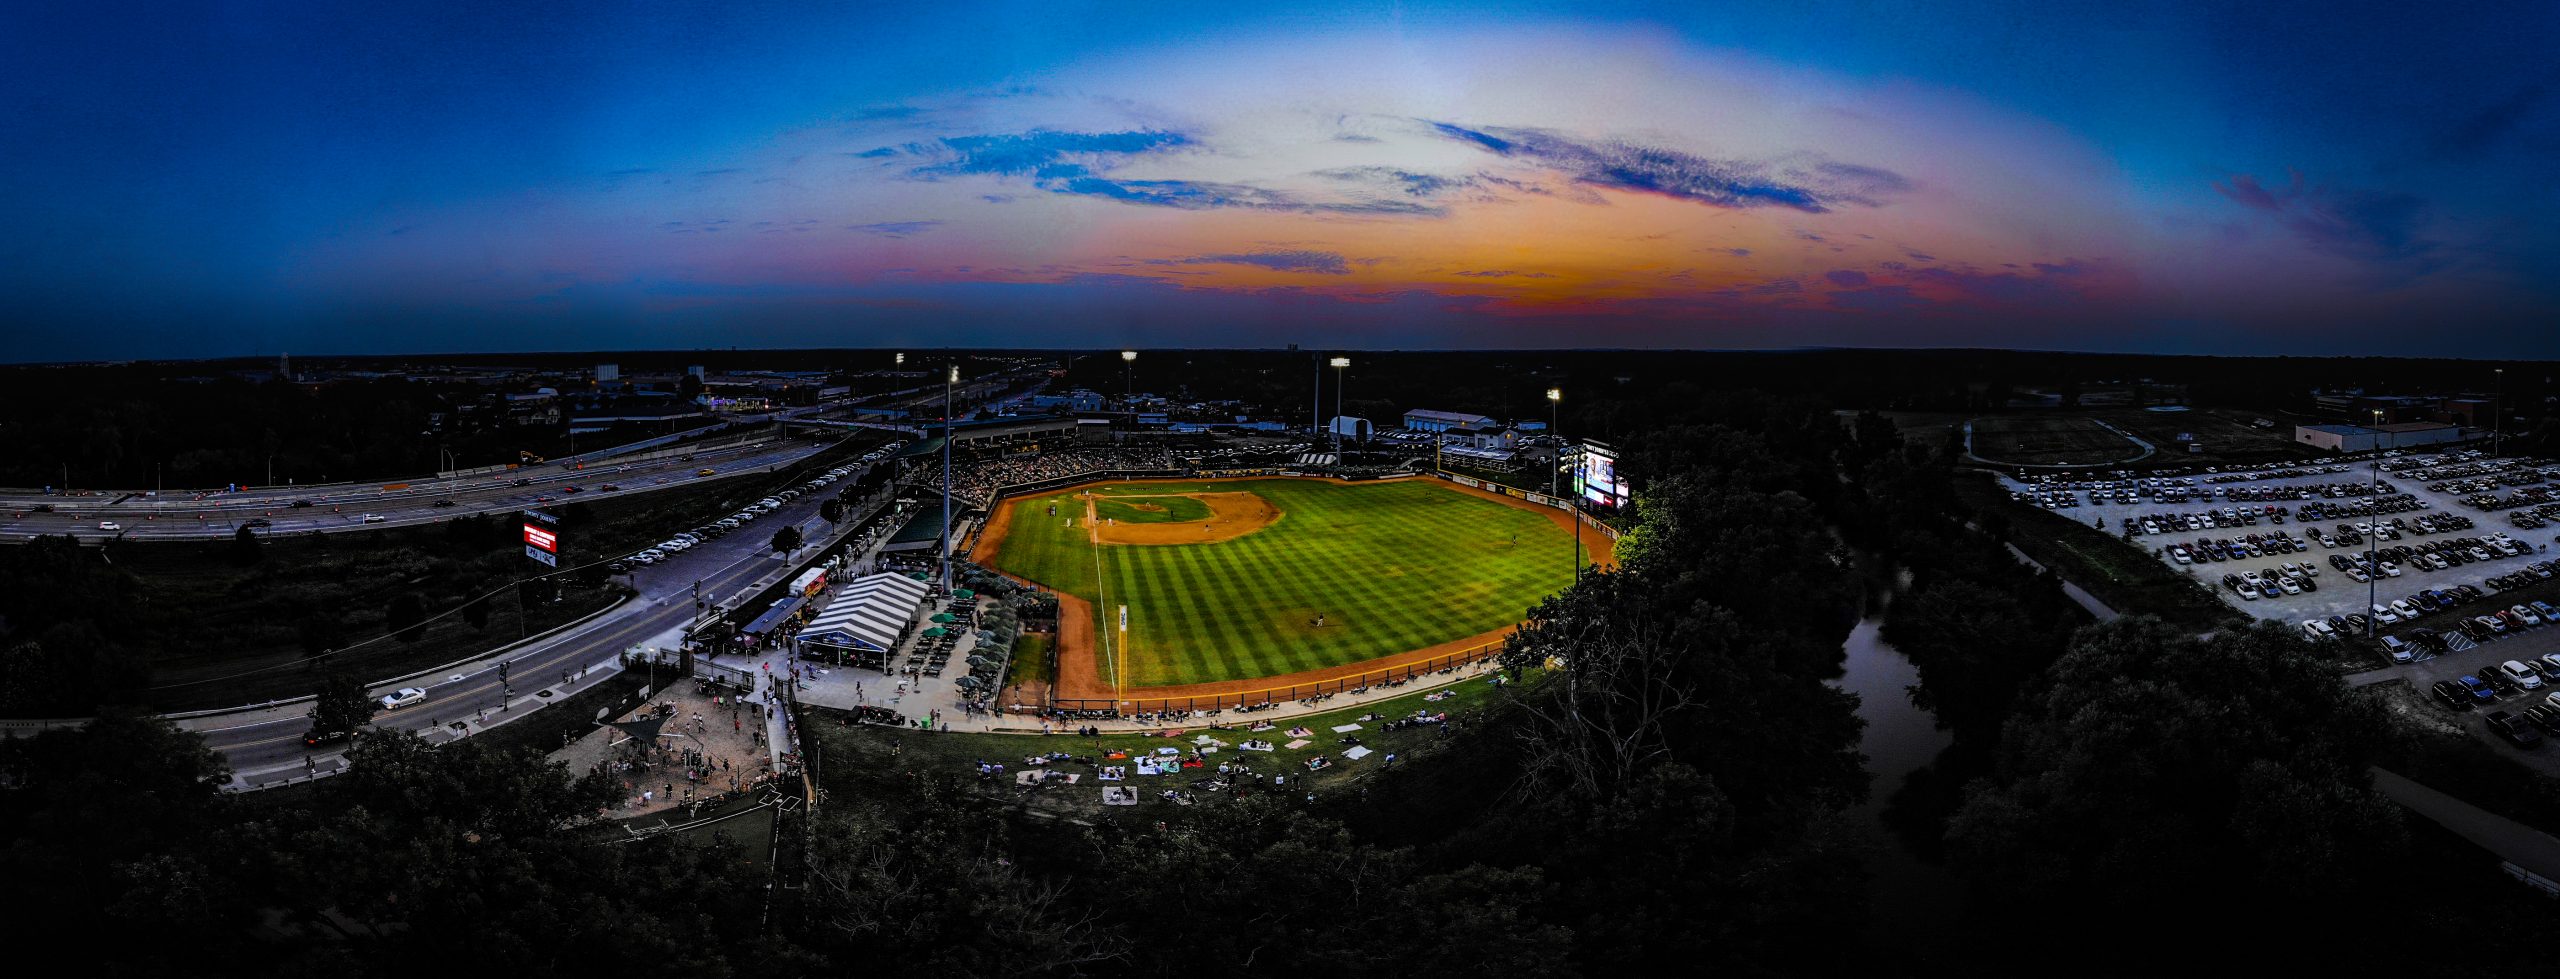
[2285, 180]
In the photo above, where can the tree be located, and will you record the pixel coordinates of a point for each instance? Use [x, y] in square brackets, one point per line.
[786, 540]
[244, 547]
[407, 616]
[831, 511]
[2146, 761]
[476, 613]
[341, 704]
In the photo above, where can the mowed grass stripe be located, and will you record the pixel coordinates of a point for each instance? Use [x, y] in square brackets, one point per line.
[1394, 567]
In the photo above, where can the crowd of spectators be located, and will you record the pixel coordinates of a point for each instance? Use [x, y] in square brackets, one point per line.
[975, 480]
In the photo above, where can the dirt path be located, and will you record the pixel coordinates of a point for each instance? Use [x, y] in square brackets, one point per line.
[1080, 674]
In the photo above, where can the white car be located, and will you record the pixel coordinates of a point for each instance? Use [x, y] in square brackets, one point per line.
[2317, 629]
[406, 697]
[373, 518]
[2383, 614]
[2523, 675]
[109, 525]
[2402, 606]
[2526, 613]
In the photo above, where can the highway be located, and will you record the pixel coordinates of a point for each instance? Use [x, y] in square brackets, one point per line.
[345, 506]
[267, 744]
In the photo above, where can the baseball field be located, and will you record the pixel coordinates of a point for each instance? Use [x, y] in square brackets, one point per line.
[1239, 580]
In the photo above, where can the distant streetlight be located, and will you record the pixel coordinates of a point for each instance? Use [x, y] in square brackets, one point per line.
[1338, 364]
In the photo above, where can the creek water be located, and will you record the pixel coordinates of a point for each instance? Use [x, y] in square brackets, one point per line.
[1909, 899]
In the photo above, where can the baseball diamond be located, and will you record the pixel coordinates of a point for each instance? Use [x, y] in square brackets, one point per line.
[1273, 577]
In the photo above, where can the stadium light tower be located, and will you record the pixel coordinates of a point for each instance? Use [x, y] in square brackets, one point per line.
[1128, 376]
[1338, 364]
[1555, 399]
[947, 381]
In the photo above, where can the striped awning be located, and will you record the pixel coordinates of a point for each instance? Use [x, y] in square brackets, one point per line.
[868, 613]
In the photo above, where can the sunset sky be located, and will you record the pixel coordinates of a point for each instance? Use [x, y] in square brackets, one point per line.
[210, 179]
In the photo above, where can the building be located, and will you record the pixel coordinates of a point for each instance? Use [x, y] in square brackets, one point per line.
[2359, 438]
[1355, 429]
[1426, 420]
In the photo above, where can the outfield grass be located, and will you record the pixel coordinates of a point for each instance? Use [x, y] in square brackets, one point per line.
[1392, 567]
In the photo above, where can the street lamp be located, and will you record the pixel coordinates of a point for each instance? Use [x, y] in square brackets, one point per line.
[1128, 376]
[2372, 540]
[2498, 415]
[1338, 364]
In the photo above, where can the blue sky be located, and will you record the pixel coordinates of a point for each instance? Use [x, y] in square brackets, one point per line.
[2276, 177]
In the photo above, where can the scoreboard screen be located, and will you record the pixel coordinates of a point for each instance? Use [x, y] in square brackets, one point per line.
[1595, 477]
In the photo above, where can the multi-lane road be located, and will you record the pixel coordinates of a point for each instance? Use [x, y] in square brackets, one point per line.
[355, 506]
[267, 745]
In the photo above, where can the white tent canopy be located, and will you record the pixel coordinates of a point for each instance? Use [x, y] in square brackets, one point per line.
[867, 614]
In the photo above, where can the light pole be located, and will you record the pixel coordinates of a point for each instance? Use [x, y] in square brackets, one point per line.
[1128, 378]
[2373, 539]
[1338, 364]
[947, 381]
[2498, 415]
[1315, 407]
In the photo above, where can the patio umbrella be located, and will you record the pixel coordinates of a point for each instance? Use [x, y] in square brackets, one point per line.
[919, 576]
[976, 660]
[968, 682]
[963, 593]
[945, 617]
[936, 632]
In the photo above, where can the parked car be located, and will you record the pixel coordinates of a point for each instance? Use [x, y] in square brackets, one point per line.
[2521, 675]
[2451, 695]
[2481, 691]
[2514, 729]
[2401, 651]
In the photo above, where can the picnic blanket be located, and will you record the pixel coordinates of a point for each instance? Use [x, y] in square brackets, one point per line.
[1345, 728]
[1295, 745]
[1358, 753]
[1114, 795]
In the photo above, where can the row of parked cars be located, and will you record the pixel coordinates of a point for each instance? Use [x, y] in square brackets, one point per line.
[680, 543]
[2537, 571]
[2204, 549]
[2480, 628]
[2524, 728]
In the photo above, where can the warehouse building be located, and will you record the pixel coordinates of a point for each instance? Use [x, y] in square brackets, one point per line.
[1426, 420]
[2364, 438]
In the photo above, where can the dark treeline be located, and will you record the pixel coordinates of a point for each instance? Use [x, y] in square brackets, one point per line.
[1662, 796]
[137, 425]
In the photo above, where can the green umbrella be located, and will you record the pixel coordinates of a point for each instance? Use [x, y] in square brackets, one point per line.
[963, 593]
[920, 576]
[934, 633]
[945, 617]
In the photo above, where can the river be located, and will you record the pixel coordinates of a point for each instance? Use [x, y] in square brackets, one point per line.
[1910, 900]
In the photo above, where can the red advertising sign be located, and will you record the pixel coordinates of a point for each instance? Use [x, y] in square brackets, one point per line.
[541, 538]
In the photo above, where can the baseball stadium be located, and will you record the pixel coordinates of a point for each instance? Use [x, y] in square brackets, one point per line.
[1252, 590]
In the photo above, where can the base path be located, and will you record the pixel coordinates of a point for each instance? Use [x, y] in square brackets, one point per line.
[1080, 673]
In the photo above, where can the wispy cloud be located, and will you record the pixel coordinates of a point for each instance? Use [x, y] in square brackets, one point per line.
[895, 229]
[2382, 226]
[1624, 166]
[1506, 274]
[1323, 263]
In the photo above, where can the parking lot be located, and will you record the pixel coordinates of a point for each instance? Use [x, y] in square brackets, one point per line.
[2252, 522]
[2526, 646]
